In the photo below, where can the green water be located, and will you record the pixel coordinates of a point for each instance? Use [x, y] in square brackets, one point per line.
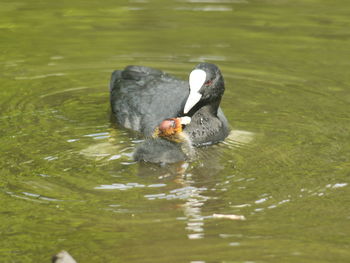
[66, 177]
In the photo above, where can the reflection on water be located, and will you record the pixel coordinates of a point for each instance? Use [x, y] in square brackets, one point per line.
[194, 197]
[193, 210]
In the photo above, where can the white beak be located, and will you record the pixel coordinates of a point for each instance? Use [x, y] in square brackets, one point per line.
[196, 80]
[185, 120]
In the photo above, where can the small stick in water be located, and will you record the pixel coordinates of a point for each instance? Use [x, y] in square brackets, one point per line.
[232, 217]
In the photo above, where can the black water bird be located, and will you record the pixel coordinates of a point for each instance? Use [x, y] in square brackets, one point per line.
[142, 97]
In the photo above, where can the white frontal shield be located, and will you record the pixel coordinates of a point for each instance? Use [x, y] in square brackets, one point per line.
[196, 80]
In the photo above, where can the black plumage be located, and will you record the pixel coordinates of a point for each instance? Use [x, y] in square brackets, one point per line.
[142, 97]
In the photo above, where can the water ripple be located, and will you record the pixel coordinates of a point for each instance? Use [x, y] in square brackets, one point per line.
[42, 76]
[206, 9]
[33, 197]
[117, 186]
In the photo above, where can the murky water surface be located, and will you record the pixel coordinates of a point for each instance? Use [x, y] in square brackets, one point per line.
[67, 179]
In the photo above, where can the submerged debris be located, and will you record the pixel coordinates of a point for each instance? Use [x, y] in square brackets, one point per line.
[63, 257]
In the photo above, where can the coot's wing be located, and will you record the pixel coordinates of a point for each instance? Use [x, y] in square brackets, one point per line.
[141, 97]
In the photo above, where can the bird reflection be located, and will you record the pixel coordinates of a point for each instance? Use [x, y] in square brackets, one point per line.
[188, 176]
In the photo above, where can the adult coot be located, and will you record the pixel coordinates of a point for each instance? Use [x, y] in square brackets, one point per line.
[169, 143]
[142, 97]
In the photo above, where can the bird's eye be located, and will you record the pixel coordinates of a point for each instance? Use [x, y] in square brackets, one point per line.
[208, 82]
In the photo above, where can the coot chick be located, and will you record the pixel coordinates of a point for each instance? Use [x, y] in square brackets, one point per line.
[142, 97]
[169, 143]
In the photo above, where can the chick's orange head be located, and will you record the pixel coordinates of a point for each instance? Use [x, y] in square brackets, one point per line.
[169, 127]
